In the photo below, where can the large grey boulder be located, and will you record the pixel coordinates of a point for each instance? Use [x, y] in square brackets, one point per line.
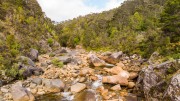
[25, 60]
[33, 55]
[158, 82]
[53, 85]
[114, 57]
[19, 93]
[28, 71]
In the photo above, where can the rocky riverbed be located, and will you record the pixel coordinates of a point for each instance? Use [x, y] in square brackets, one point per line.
[78, 75]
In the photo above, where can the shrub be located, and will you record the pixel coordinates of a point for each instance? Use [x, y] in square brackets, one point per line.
[50, 41]
[57, 63]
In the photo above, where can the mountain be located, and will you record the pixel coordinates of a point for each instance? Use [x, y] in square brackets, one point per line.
[134, 27]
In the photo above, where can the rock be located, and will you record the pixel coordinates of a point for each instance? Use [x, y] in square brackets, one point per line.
[133, 75]
[21, 94]
[131, 97]
[82, 79]
[32, 85]
[116, 87]
[115, 70]
[44, 46]
[131, 85]
[114, 58]
[94, 78]
[78, 87]
[153, 81]
[63, 50]
[1, 83]
[37, 81]
[8, 96]
[4, 90]
[87, 95]
[65, 59]
[53, 85]
[86, 70]
[173, 90]
[97, 62]
[115, 79]
[34, 55]
[29, 71]
[44, 65]
[26, 61]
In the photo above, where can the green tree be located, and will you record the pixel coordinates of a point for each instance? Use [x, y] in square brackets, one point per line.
[136, 21]
[171, 20]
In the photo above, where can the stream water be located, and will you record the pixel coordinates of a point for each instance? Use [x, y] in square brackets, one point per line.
[85, 95]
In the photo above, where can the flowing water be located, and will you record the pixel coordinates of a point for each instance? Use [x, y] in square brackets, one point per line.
[86, 95]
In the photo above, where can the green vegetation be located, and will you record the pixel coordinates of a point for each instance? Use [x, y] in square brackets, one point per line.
[57, 63]
[137, 26]
[22, 26]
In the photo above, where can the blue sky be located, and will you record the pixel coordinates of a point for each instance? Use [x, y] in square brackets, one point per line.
[61, 10]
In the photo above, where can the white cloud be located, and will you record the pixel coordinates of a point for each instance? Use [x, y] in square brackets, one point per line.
[60, 10]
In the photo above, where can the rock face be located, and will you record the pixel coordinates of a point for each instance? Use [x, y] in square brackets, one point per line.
[78, 87]
[153, 81]
[53, 85]
[33, 54]
[21, 94]
[97, 62]
[173, 91]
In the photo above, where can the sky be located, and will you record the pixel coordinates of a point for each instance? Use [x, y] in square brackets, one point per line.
[61, 10]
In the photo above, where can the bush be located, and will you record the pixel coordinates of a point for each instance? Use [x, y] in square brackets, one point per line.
[57, 63]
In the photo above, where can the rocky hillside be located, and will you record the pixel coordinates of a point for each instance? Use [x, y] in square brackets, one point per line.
[137, 26]
[23, 26]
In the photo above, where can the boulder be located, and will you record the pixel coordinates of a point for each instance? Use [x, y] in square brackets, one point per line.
[114, 58]
[153, 81]
[37, 81]
[26, 61]
[115, 70]
[95, 61]
[173, 90]
[115, 79]
[21, 94]
[53, 85]
[34, 55]
[131, 85]
[87, 95]
[78, 87]
[29, 71]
